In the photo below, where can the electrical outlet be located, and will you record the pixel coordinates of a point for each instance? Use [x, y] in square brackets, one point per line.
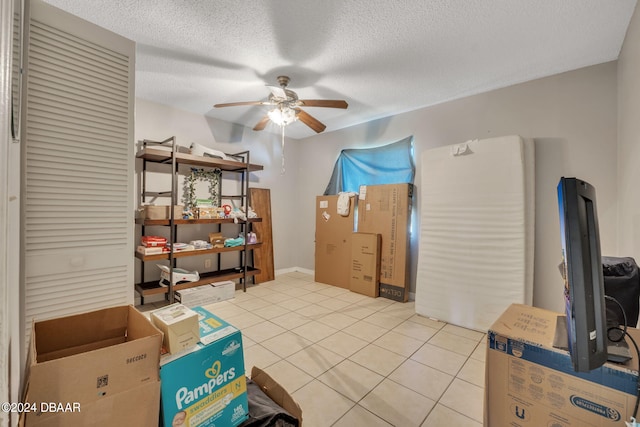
[207, 263]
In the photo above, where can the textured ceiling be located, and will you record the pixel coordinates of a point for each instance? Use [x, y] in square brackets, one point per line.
[382, 56]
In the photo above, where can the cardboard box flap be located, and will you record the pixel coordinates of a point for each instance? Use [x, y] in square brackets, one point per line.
[80, 330]
[530, 324]
[276, 392]
[138, 326]
[66, 352]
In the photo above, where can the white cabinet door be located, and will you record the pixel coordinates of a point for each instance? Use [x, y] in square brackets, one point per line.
[77, 211]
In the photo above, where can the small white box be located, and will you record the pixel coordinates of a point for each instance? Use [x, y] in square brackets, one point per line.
[179, 324]
[206, 294]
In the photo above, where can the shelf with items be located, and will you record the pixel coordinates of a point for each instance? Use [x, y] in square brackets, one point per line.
[152, 222]
[167, 153]
[195, 252]
[164, 156]
[155, 288]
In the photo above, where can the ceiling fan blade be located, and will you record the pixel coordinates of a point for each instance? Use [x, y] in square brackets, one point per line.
[330, 103]
[262, 123]
[310, 121]
[278, 92]
[235, 104]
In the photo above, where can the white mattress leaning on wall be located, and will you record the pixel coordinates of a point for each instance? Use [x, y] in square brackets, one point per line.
[476, 230]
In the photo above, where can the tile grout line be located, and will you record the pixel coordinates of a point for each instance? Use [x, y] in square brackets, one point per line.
[376, 310]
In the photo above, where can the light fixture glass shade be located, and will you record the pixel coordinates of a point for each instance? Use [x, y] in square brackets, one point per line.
[282, 116]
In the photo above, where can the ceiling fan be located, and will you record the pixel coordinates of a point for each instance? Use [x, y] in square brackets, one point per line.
[286, 107]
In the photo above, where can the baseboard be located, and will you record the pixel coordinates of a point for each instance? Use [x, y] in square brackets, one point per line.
[159, 298]
[294, 270]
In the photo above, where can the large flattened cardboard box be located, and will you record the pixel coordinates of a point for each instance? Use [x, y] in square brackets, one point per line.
[206, 386]
[104, 363]
[531, 383]
[386, 210]
[333, 242]
[365, 264]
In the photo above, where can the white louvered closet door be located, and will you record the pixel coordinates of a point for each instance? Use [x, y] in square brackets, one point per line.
[78, 166]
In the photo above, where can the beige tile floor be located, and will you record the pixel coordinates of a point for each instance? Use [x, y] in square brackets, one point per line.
[350, 360]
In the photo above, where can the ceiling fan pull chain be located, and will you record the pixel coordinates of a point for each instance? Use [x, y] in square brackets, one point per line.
[282, 128]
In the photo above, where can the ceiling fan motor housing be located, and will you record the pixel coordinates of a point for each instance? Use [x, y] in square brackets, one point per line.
[287, 107]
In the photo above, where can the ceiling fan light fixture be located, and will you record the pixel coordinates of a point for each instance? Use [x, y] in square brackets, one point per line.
[282, 116]
[286, 107]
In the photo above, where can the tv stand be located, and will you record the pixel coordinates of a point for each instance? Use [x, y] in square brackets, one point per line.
[617, 352]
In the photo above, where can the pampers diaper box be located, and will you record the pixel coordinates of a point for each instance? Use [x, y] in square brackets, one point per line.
[206, 386]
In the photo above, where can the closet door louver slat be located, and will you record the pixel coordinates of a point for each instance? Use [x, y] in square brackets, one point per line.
[78, 200]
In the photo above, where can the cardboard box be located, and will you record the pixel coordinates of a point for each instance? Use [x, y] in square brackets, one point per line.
[160, 212]
[153, 241]
[209, 212]
[531, 383]
[155, 250]
[333, 242]
[106, 361]
[207, 385]
[365, 264]
[179, 324]
[276, 392]
[206, 294]
[217, 240]
[386, 210]
[138, 406]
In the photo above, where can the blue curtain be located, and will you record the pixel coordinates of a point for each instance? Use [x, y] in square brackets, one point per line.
[389, 164]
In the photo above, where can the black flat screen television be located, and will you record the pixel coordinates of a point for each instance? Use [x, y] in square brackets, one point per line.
[583, 283]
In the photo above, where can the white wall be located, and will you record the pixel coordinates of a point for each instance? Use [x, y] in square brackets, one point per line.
[158, 122]
[629, 142]
[571, 116]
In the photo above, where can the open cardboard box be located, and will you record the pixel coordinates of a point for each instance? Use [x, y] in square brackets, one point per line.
[276, 392]
[105, 361]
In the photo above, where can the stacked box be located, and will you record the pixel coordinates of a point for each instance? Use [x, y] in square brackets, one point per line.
[529, 382]
[386, 210]
[206, 386]
[365, 264]
[179, 324]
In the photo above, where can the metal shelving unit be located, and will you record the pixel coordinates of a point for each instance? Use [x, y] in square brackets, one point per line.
[158, 152]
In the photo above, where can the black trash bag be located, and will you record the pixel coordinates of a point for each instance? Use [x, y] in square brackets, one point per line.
[622, 282]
